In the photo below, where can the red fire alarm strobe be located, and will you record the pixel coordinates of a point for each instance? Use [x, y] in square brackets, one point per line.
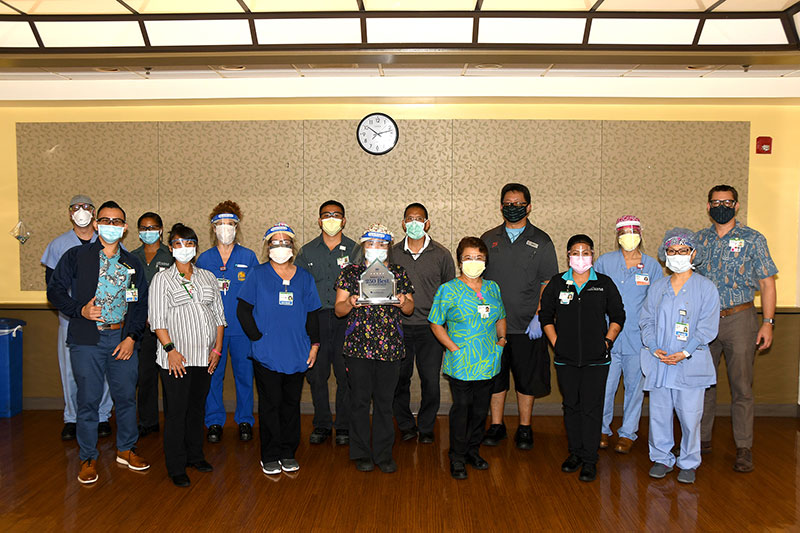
[763, 145]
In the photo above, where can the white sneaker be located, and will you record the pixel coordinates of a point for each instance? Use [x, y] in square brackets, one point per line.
[289, 465]
[271, 468]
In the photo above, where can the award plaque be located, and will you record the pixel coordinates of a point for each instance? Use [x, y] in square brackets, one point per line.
[377, 286]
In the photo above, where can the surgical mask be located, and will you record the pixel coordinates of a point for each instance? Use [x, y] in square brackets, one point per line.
[580, 263]
[629, 241]
[679, 263]
[185, 254]
[332, 226]
[82, 217]
[722, 214]
[225, 233]
[415, 229]
[150, 236]
[109, 233]
[515, 213]
[280, 255]
[375, 254]
[473, 269]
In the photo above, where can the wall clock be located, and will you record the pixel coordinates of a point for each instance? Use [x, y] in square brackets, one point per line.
[377, 133]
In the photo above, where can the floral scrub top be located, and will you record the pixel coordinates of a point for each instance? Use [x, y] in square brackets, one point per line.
[374, 331]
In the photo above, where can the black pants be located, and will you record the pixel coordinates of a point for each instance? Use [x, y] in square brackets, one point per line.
[420, 345]
[184, 411]
[147, 398]
[278, 412]
[583, 390]
[468, 416]
[371, 381]
[331, 330]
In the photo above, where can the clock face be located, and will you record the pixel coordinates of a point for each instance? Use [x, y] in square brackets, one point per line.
[377, 133]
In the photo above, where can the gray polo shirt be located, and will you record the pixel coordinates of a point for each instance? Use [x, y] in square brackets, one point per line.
[161, 261]
[325, 265]
[427, 272]
[520, 268]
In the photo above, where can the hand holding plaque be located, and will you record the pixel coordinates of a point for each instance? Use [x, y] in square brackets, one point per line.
[377, 286]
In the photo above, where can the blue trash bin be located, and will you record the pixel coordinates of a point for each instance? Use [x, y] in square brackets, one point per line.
[10, 366]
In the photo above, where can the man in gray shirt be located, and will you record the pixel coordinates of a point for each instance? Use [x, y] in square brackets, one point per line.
[324, 257]
[429, 264]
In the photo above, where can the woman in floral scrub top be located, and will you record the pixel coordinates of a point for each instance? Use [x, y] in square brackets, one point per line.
[373, 348]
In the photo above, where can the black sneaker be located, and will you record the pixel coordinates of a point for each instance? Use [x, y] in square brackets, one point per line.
[319, 435]
[342, 437]
[214, 433]
[365, 465]
[476, 461]
[426, 438]
[524, 438]
[245, 431]
[572, 464]
[408, 434]
[458, 470]
[201, 466]
[103, 429]
[70, 431]
[388, 467]
[588, 472]
[495, 434]
[146, 430]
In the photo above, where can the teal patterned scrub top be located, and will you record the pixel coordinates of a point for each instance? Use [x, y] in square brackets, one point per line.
[457, 305]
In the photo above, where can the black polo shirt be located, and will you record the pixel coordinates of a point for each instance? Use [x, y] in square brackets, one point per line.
[325, 265]
[520, 268]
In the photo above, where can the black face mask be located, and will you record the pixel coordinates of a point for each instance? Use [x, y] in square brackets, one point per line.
[722, 214]
[514, 213]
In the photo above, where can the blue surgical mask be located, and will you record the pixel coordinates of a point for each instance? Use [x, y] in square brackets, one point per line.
[109, 233]
[150, 236]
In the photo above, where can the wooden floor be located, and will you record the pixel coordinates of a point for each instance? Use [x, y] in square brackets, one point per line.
[521, 491]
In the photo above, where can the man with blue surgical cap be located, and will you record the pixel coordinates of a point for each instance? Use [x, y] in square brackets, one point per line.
[678, 320]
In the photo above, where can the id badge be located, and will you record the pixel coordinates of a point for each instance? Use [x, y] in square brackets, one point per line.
[483, 310]
[736, 245]
[565, 297]
[285, 298]
[343, 261]
[682, 331]
[224, 285]
[642, 279]
[132, 294]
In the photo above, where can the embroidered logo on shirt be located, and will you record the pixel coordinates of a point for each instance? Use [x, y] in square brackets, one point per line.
[595, 289]
[241, 275]
[494, 244]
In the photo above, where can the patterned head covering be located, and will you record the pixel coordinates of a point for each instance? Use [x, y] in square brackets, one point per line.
[680, 236]
[377, 231]
[629, 221]
[280, 227]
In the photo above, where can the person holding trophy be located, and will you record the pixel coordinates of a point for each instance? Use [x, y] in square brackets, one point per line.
[372, 294]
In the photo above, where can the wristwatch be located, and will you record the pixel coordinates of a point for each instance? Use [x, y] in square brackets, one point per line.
[609, 343]
[169, 347]
[769, 321]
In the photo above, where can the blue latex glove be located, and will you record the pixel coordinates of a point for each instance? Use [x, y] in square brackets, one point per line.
[534, 330]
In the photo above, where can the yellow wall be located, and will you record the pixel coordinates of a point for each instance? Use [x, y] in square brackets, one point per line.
[774, 189]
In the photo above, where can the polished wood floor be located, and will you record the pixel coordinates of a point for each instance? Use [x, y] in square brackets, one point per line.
[521, 491]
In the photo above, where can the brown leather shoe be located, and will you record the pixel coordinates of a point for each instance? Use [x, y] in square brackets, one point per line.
[131, 460]
[88, 472]
[744, 460]
[604, 441]
[624, 445]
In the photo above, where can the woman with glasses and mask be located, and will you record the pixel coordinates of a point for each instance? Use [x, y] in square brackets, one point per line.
[155, 256]
[231, 263]
[279, 311]
[679, 318]
[373, 348]
[581, 315]
[632, 271]
[472, 309]
[186, 314]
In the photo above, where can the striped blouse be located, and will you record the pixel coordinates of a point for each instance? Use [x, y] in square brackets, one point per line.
[190, 311]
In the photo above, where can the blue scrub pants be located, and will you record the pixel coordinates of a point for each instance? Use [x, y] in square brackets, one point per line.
[70, 388]
[688, 403]
[239, 348]
[92, 366]
[633, 380]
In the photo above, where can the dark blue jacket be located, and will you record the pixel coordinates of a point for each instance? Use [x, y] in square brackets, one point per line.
[74, 283]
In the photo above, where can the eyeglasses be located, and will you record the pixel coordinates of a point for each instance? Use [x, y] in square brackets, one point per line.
[331, 214]
[416, 219]
[280, 244]
[85, 207]
[681, 251]
[112, 221]
[149, 228]
[183, 243]
[479, 257]
[726, 203]
[515, 204]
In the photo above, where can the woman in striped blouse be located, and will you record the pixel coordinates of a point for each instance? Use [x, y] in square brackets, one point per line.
[186, 314]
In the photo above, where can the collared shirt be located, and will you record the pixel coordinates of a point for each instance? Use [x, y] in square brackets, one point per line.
[514, 233]
[325, 265]
[413, 254]
[471, 320]
[520, 268]
[112, 282]
[568, 277]
[432, 267]
[55, 249]
[735, 263]
[633, 284]
[161, 261]
[190, 311]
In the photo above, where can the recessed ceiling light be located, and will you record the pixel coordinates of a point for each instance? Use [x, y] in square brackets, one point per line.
[106, 69]
[489, 66]
[232, 67]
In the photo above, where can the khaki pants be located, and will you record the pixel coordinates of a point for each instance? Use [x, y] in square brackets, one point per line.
[737, 340]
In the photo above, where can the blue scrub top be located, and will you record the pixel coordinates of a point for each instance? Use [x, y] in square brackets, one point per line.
[285, 343]
[55, 250]
[612, 264]
[240, 264]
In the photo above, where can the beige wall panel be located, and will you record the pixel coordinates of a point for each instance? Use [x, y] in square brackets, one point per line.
[106, 160]
[256, 164]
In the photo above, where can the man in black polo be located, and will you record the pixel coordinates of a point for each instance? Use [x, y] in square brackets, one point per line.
[428, 264]
[521, 260]
[325, 257]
